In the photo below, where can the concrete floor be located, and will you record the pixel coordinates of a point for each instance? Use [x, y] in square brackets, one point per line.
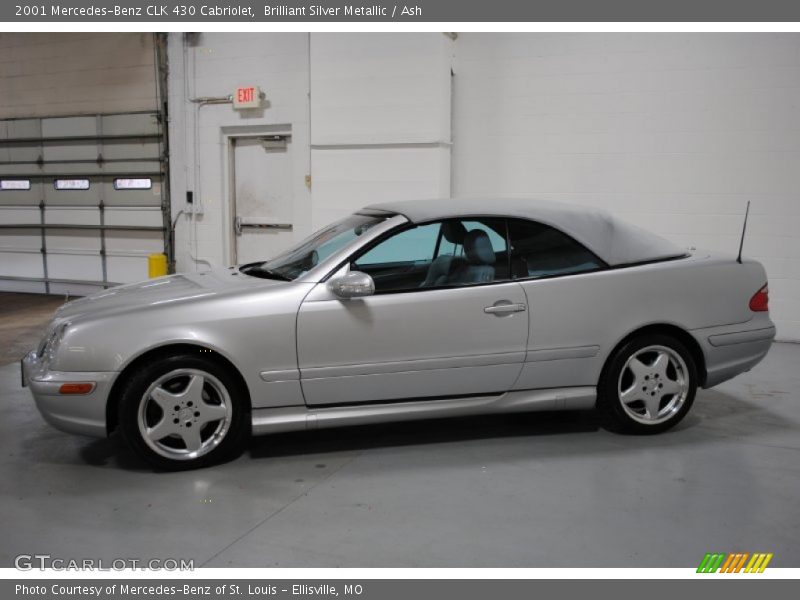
[534, 490]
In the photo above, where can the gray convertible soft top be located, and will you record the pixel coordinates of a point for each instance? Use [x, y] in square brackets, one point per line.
[613, 240]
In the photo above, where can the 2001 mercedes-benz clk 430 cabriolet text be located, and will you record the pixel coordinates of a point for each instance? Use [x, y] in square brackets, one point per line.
[401, 311]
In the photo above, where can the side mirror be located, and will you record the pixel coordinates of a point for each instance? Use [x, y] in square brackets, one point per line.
[353, 285]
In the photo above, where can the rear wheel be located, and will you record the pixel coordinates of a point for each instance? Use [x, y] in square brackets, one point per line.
[184, 412]
[648, 386]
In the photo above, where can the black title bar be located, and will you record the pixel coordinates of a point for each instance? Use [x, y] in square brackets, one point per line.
[419, 11]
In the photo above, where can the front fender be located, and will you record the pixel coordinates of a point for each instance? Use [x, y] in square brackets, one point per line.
[255, 332]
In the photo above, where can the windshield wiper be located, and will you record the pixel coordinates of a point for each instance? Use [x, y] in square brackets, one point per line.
[258, 271]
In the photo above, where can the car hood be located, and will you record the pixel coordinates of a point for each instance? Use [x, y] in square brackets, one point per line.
[183, 287]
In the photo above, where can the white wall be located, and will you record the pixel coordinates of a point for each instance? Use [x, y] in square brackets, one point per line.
[379, 114]
[674, 132]
[48, 74]
[214, 66]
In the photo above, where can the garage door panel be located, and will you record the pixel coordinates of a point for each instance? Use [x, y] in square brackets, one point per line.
[100, 149]
[139, 168]
[19, 216]
[127, 269]
[23, 170]
[24, 128]
[80, 267]
[69, 150]
[147, 216]
[69, 126]
[30, 170]
[71, 240]
[130, 124]
[54, 197]
[21, 239]
[19, 153]
[20, 128]
[144, 242]
[21, 264]
[131, 149]
[24, 287]
[72, 216]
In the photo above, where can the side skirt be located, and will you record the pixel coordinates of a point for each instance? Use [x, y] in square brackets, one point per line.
[301, 418]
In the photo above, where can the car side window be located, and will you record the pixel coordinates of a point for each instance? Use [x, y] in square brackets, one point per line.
[414, 245]
[539, 250]
[448, 253]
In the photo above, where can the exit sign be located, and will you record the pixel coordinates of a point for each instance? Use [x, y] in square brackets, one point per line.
[248, 96]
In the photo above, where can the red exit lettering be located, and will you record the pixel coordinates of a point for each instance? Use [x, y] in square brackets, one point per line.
[245, 94]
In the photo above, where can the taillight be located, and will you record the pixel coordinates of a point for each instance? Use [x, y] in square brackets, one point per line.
[760, 300]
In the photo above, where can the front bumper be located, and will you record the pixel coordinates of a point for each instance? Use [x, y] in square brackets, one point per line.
[83, 414]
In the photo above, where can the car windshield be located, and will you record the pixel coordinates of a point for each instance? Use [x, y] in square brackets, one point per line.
[303, 257]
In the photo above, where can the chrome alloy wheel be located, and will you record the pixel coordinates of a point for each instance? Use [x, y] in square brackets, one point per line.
[653, 385]
[185, 414]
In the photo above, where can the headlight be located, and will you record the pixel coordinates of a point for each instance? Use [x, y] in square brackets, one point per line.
[49, 345]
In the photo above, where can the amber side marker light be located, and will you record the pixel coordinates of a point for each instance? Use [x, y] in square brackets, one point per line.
[75, 388]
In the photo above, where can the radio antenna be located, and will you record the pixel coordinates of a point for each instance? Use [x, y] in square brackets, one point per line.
[744, 229]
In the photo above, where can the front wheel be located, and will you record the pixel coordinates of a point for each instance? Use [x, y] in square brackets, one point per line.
[183, 412]
[648, 386]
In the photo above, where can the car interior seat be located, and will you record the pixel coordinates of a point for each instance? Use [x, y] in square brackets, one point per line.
[441, 267]
[479, 267]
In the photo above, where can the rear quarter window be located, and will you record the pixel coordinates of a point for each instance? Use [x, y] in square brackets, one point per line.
[539, 250]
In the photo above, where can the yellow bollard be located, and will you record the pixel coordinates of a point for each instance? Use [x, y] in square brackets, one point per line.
[156, 265]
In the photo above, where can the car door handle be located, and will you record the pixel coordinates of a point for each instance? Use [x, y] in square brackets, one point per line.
[504, 309]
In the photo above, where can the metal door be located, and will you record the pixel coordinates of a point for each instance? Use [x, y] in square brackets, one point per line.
[262, 197]
[414, 345]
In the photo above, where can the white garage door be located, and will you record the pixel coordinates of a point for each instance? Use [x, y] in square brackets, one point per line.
[82, 201]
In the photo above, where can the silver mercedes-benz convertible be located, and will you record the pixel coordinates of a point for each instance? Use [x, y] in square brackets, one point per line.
[406, 310]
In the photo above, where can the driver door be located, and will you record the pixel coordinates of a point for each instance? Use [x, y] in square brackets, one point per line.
[418, 337]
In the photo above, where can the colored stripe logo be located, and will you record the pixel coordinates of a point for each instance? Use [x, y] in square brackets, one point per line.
[738, 562]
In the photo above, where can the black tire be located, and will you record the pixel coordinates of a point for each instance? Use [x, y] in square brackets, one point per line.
[614, 415]
[216, 383]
